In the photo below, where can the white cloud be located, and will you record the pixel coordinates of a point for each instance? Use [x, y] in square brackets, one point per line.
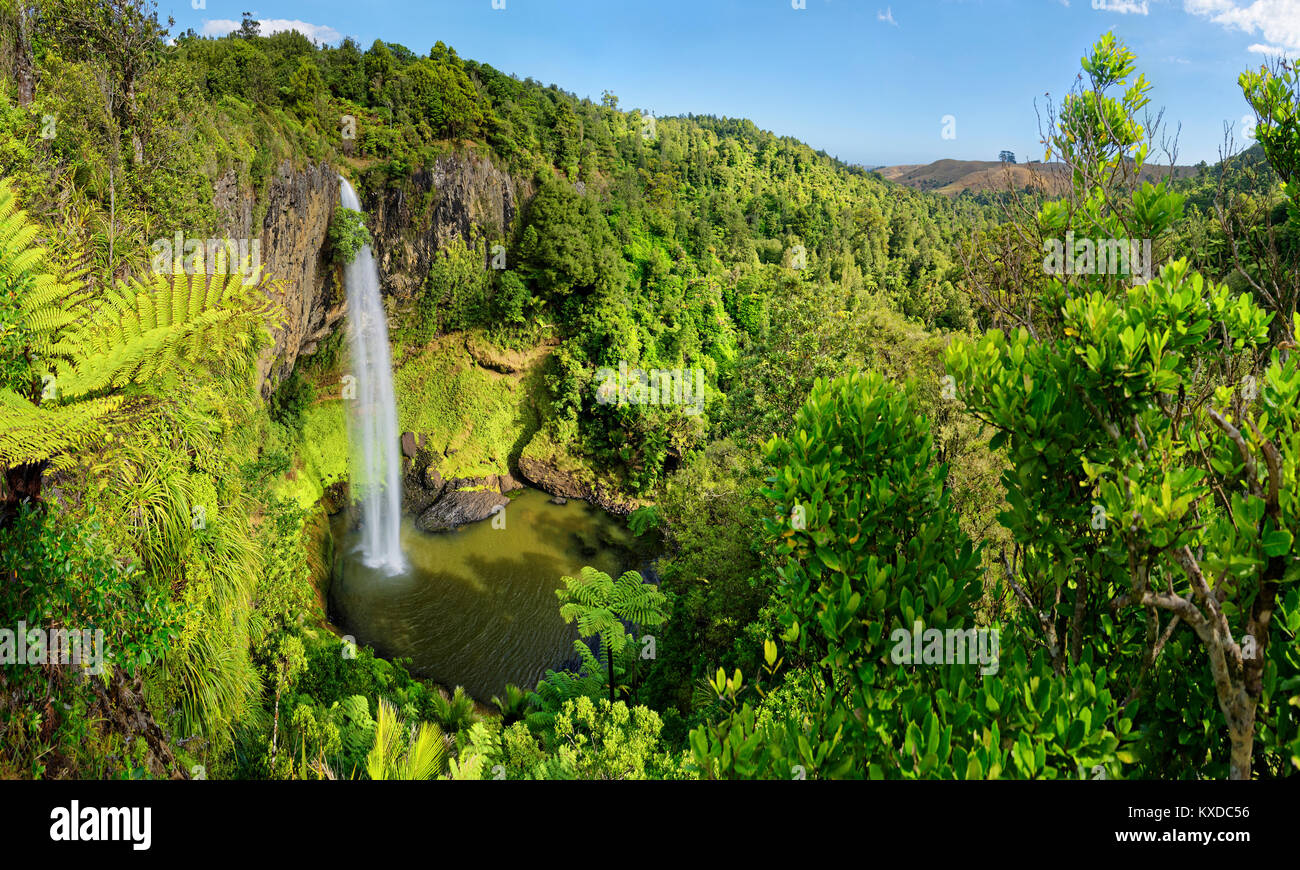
[1123, 7]
[1261, 48]
[1278, 21]
[314, 32]
[887, 16]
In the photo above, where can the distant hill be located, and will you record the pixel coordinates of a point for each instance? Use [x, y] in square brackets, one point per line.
[952, 177]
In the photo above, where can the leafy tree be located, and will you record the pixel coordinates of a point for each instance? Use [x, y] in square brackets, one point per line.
[567, 246]
[124, 35]
[306, 89]
[61, 575]
[1274, 95]
[711, 576]
[865, 544]
[592, 739]
[249, 27]
[1146, 479]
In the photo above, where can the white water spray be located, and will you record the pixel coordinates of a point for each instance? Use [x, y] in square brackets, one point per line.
[372, 421]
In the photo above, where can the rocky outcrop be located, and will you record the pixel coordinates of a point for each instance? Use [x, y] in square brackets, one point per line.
[440, 505]
[336, 497]
[421, 488]
[548, 477]
[460, 195]
[457, 507]
[295, 215]
[487, 357]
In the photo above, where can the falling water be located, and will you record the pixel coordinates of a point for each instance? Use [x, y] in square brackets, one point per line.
[372, 423]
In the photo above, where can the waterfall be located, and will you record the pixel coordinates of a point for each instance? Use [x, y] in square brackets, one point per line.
[372, 421]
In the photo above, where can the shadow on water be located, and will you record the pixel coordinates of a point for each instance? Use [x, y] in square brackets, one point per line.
[477, 607]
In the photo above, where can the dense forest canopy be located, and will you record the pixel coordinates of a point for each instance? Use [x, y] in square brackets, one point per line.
[910, 424]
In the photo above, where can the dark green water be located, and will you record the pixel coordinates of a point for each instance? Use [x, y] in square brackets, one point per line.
[478, 607]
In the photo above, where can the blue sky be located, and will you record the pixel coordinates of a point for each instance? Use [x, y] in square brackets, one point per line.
[869, 81]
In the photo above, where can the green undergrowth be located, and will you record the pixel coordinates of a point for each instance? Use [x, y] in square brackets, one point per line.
[323, 451]
[479, 419]
[545, 448]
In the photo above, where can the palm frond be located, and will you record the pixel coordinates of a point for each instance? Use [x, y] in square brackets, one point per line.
[400, 751]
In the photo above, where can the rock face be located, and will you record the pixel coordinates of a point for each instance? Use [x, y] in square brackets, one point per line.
[421, 488]
[567, 485]
[297, 206]
[459, 194]
[458, 507]
[336, 497]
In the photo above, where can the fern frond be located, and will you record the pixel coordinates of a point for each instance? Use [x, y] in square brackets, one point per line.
[33, 433]
[47, 304]
[143, 329]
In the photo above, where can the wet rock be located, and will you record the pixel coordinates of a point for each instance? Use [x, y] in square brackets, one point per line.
[458, 507]
[422, 485]
[555, 499]
[336, 497]
[409, 448]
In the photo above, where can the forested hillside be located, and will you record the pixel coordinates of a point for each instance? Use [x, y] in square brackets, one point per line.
[908, 423]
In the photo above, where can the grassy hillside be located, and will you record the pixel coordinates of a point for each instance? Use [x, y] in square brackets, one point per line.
[954, 177]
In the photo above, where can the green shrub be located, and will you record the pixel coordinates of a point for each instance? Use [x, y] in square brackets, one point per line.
[347, 235]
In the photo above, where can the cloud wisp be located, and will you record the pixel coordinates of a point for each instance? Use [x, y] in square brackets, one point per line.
[319, 33]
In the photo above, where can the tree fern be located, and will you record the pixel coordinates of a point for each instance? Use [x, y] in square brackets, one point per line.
[600, 605]
[44, 304]
[77, 352]
[560, 686]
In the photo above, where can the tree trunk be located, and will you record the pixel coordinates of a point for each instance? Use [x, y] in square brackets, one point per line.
[275, 728]
[1242, 735]
[24, 482]
[1235, 701]
[112, 223]
[609, 656]
[23, 66]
